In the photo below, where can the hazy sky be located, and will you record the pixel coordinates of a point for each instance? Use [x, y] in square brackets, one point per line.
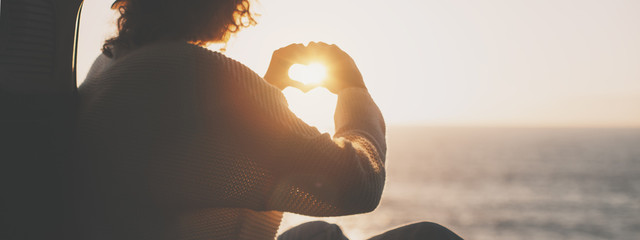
[453, 62]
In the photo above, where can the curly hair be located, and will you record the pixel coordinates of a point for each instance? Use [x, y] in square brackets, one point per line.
[196, 21]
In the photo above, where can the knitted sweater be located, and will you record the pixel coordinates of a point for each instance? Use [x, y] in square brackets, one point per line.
[178, 142]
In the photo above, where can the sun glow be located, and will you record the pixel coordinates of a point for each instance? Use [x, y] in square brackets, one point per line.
[313, 73]
[315, 107]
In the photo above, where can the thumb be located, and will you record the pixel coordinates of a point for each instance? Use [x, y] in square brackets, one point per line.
[303, 87]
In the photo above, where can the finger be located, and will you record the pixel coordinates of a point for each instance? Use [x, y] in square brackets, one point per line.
[293, 45]
[292, 48]
[295, 53]
[296, 84]
[308, 88]
[321, 51]
[317, 44]
[289, 49]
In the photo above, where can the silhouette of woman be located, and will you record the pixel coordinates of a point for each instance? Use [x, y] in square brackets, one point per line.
[178, 142]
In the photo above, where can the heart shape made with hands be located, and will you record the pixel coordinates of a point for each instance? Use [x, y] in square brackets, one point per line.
[309, 76]
[313, 105]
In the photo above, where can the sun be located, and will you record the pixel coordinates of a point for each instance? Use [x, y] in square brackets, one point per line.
[313, 73]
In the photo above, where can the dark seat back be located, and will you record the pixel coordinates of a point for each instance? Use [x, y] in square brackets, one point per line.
[37, 99]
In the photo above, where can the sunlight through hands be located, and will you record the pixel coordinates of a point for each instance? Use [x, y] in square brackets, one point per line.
[312, 74]
[315, 107]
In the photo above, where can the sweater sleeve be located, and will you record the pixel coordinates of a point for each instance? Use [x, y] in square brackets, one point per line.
[313, 173]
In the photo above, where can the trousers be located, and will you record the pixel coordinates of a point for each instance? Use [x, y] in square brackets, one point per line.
[320, 230]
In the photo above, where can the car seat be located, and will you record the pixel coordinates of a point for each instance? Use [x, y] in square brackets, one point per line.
[38, 40]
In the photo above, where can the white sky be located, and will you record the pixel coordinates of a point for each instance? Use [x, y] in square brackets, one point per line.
[455, 62]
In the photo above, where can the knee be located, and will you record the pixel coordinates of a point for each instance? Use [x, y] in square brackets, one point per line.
[313, 230]
[316, 224]
[420, 230]
[427, 225]
[432, 229]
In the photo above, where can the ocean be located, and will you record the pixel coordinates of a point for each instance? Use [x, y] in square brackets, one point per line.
[507, 183]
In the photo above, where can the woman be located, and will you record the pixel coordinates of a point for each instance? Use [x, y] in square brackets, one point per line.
[179, 142]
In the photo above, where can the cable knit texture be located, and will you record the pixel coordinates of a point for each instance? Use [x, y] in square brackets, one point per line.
[178, 142]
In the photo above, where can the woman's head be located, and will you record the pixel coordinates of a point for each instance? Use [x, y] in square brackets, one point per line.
[196, 21]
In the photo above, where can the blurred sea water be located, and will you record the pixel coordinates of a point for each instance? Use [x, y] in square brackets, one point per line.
[507, 183]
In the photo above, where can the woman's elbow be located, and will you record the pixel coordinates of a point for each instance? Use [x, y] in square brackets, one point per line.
[366, 198]
[375, 195]
[368, 206]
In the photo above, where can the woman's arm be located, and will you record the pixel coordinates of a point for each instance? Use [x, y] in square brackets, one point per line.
[340, 175]
[314, 173]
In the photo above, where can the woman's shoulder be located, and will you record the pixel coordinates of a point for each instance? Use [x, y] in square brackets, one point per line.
[101, 63]
[173, 65]
[178, 52]
[182, 57]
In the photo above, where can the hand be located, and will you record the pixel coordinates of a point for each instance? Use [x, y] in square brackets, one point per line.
[342, 71]
[281, 60]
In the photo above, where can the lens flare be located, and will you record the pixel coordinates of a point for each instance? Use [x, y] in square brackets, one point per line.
[313, 73]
